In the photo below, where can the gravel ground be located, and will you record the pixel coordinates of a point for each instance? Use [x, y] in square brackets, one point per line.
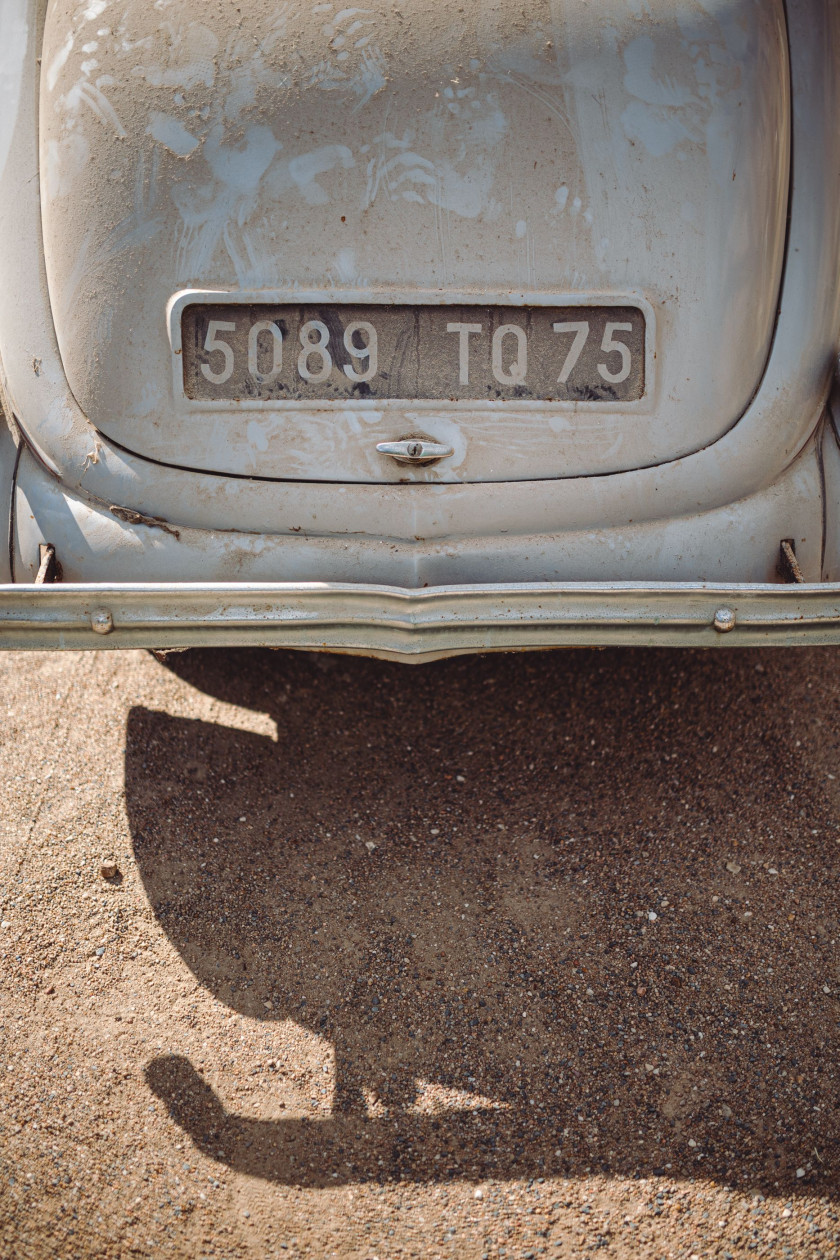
[514, 956]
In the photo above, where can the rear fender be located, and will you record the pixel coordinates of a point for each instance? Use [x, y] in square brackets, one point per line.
[9, 454]
[20, 24]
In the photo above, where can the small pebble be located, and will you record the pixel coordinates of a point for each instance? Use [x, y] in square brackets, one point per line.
[370, 846]
[733, 868]
[108, 869]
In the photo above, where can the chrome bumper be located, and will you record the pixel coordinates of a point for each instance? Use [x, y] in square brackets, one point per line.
[416, 625]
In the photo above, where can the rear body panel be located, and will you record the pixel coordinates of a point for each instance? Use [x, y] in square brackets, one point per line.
[717, 513]
[576, 154]
[107, 543]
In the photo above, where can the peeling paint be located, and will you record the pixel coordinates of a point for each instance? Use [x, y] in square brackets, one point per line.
[63, 163]
[59, 61]
[93, 10]
[172, 134]
[192, 49]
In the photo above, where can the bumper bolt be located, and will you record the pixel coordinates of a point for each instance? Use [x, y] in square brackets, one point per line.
[724, 620]
[101, 621]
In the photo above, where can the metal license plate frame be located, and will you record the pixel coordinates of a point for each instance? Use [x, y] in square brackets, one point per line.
[419, 298]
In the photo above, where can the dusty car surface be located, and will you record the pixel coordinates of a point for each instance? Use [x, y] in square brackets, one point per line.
[414, 329]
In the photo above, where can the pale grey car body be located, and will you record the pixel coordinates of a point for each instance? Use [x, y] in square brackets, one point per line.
[676, 158]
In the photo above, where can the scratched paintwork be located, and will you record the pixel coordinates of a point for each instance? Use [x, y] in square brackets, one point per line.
[585, 150]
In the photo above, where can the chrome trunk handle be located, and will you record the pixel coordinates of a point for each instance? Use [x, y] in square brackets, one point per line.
[415, 450]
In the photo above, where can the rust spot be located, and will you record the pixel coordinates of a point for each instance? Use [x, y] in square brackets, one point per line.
[139, 518]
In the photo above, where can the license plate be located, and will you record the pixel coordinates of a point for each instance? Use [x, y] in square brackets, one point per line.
[336, 352]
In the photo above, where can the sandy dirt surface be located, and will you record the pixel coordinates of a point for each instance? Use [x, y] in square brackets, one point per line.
[514, 956]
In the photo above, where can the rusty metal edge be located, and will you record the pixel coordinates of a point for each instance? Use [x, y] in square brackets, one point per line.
[417, 625]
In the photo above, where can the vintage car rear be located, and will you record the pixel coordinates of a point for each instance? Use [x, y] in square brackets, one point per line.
[415, 329]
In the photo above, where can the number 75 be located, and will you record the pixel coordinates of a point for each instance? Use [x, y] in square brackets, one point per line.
[610, 345]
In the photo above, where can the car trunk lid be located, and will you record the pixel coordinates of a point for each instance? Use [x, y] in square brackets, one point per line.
[418, 172]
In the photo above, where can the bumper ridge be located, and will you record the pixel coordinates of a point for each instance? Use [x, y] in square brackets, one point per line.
[417, 625]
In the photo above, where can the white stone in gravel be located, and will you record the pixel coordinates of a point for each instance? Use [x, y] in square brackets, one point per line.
[733, 868]
[5, 923]
[800, 1172]
[826, 989]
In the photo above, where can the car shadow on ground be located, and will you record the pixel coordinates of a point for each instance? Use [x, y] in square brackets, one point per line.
[529, 901]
